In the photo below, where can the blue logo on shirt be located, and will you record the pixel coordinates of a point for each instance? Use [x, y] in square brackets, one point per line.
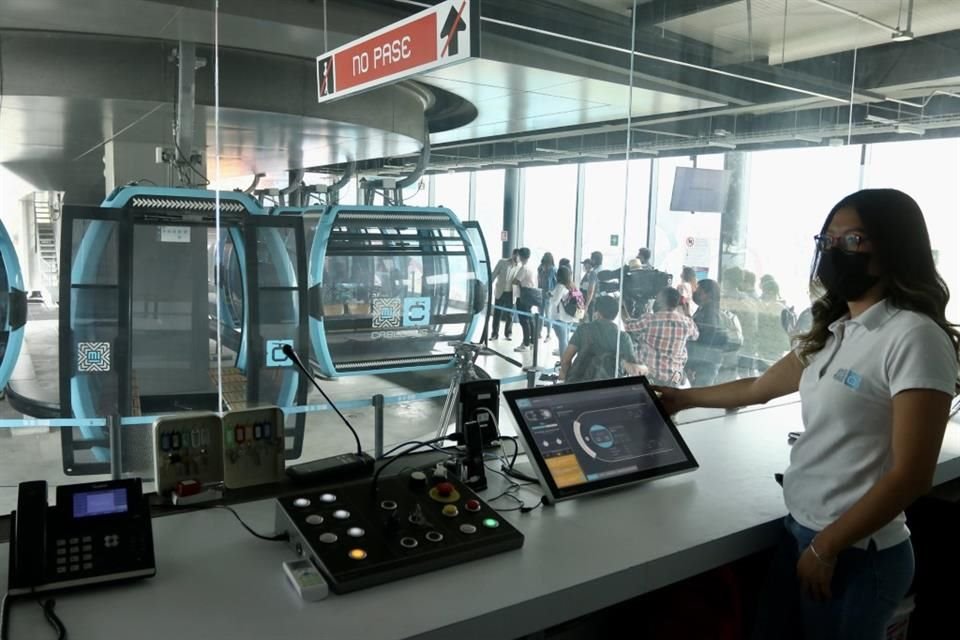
[848, 377]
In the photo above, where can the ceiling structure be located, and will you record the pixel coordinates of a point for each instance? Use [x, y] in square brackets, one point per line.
[554, 84]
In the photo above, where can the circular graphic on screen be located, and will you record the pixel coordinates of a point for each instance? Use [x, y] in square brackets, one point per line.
[601, 436]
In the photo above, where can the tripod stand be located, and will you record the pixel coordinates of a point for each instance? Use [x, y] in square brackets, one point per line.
[466, 354]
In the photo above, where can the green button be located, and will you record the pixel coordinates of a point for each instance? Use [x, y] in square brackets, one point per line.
[490, 523]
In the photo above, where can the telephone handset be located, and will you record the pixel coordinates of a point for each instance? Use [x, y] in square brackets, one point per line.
[97, 532]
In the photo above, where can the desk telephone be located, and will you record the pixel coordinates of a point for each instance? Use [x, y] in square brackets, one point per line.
[97, 532]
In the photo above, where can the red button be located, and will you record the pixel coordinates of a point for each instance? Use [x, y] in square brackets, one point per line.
[473, 505]
[444, 489]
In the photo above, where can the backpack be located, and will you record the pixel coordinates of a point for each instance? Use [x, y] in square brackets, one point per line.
[731, 325]
[574, 305]
[594, 365]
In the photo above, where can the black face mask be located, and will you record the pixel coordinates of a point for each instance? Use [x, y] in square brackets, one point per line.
[845, 274]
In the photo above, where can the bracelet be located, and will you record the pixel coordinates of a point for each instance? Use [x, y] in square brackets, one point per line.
[818, 557]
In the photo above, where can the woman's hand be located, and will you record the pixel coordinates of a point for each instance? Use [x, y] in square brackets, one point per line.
[673, 400]
[815, 574]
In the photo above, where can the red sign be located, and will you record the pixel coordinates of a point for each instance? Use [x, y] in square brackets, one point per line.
[435, 37]
[395, 51]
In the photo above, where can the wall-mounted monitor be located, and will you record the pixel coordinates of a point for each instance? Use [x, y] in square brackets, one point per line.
[699, 189]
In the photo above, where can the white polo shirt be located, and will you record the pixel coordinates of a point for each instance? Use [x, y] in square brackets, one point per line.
[846, 394]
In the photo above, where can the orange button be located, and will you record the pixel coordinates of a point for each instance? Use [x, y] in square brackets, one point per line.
[357, 554]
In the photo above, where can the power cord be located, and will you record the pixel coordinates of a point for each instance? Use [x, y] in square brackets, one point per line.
[49, 613]
[413, 445]
[282, 537]
[512, 488]
[51, 616]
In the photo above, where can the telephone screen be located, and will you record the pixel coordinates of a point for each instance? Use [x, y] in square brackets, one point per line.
[99, 503]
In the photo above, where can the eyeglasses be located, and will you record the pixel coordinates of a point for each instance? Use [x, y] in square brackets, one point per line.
[847, 242]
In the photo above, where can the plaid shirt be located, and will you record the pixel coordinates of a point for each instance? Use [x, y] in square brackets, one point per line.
[661, 340]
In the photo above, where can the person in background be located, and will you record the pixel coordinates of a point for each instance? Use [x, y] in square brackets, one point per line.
[644, 257]
[565, 262]
[876, 375]
[688, 284]
[706, 352]
[732, 299]
[772, 338]
[592, 352]
[747, 363]
[503, 276]
[558, 303]
[661, 338]
[588, 282]
[525, 289]
[547, 281]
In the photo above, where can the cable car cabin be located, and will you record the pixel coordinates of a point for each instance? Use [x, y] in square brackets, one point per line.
[138, 313]
[391, 287]
[13, 307]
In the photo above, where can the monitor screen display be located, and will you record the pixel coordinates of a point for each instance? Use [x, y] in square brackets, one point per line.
[586, 437]
[702, 190]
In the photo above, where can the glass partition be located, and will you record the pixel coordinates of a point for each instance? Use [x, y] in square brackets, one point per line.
[716, 137]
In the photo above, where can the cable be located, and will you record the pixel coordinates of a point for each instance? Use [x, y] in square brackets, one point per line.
[283, 537]
[51, 616]
[48, 613]
[415, 444]
[454, 437]
[189, 164]
[291, 353]
[516, 449]
[4, 616]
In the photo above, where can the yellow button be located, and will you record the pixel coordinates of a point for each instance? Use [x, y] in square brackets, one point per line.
[357, 554]
[451, 511]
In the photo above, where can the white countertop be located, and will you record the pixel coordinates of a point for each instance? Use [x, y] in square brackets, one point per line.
[214, 580]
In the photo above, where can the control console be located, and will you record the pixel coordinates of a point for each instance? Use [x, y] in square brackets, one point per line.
[359, 537]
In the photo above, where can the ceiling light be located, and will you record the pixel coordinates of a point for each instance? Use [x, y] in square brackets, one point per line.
[721, 145]
[807, 137]
[649, 152]
[901, 35]
[910, 128]
[549, 150]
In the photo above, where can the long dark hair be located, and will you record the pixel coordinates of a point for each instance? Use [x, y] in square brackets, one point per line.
[546, 262]
[901, 245]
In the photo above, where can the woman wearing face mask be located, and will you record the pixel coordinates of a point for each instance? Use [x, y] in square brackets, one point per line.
[876, 374]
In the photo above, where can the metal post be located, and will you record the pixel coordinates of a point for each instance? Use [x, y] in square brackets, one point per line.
[186, 97]
[537, 327]
[378, 426]
[532, 378]
[116, 446]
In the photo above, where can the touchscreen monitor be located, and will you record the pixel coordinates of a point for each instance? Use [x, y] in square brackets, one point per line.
[592, 436]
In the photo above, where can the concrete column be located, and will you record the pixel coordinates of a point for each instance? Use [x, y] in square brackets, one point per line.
[736, 215]
[511, 210]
